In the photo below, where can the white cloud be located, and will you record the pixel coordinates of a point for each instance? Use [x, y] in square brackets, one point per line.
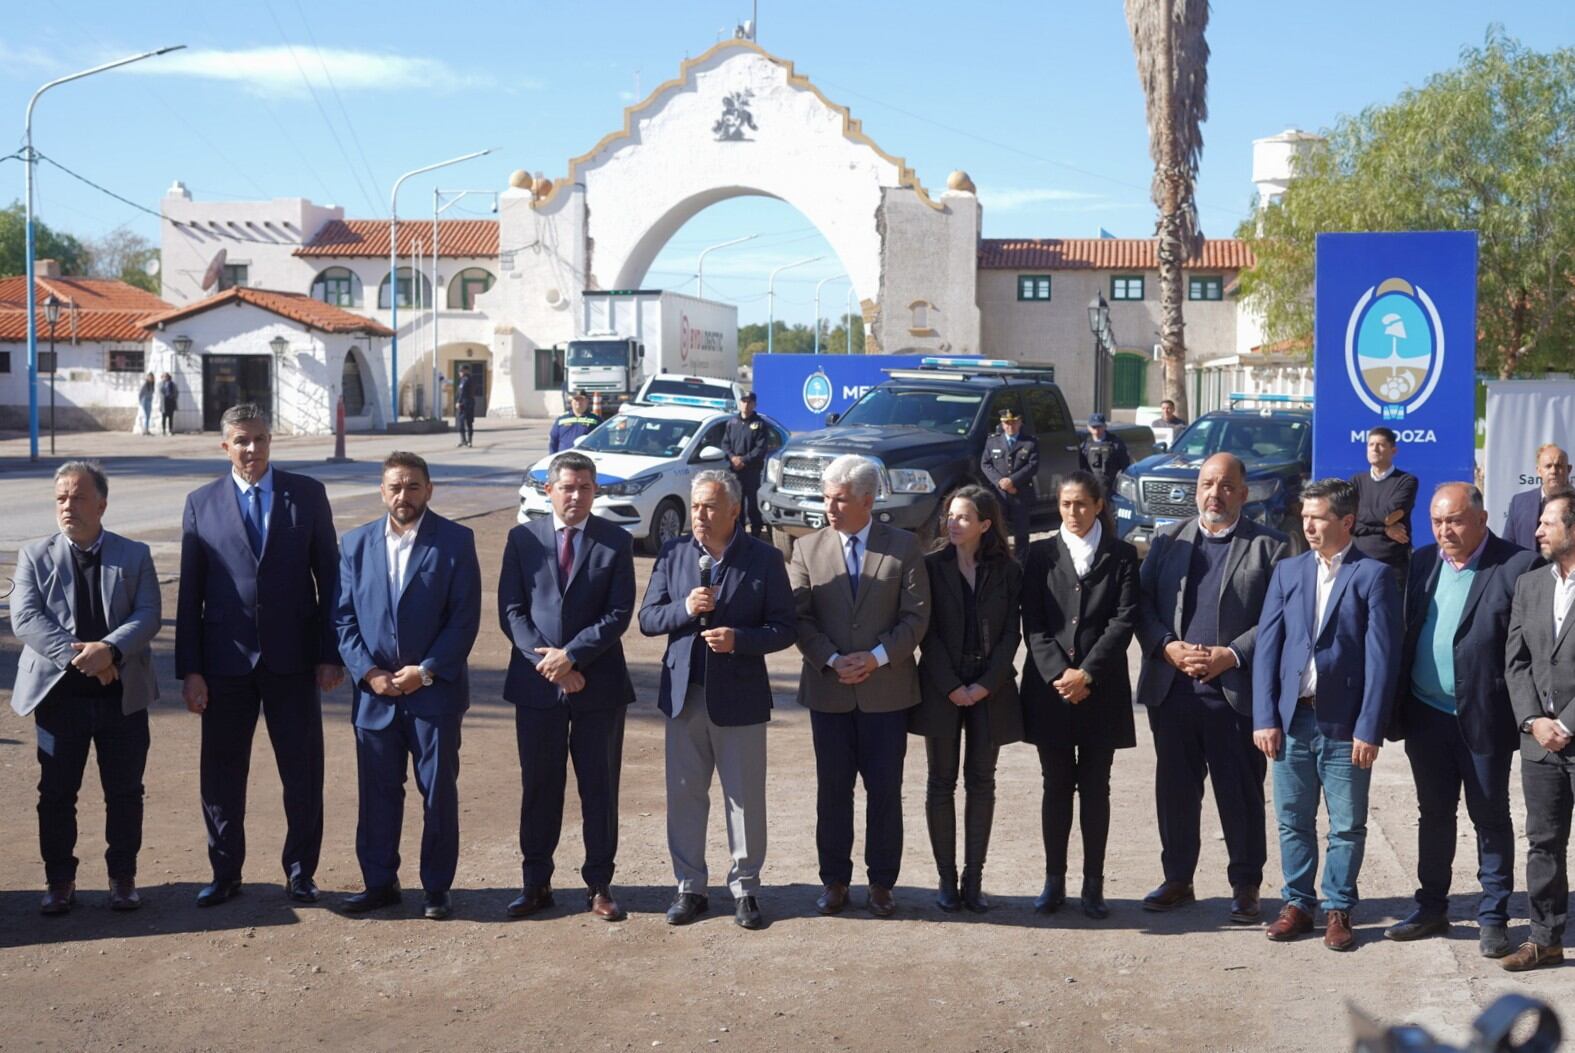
[275, 71]
[1007, 199]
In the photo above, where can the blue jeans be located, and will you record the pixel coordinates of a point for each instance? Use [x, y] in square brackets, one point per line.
[1308, 764]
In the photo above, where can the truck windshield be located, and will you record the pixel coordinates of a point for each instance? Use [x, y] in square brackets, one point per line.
[640, 436]
[949, 412]
[1249, 439]
[584, 353]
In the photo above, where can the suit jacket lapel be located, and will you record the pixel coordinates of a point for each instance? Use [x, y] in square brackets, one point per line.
[109, 575]
[1181, 552]
[1546, 615]
[1342, 578]
[377, 565]
[869, 560]
[1479, 582]
[582, 550]
[66, 572]
[1310, 600]
[734, 569]
[1238, 551]
[277, 514]
[230, 513]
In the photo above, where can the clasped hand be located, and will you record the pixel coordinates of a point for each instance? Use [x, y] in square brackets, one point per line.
[855, 668]
[556, 667]
[968, 694]
[1072, 685]
[97, 661]
[1199, 661]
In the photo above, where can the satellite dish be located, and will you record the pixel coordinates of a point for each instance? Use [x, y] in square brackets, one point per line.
[150, 266]
[215, 271]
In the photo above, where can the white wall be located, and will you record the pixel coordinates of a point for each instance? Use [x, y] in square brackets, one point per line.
[87, 395]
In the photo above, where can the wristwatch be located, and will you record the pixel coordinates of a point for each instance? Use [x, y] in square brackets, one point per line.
[1525, 725]
[426, 676]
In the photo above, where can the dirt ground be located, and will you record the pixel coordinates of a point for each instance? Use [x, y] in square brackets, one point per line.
[262, 973]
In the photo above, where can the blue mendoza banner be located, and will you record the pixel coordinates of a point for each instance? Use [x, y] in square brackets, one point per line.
[1395, 344]
[797, 391]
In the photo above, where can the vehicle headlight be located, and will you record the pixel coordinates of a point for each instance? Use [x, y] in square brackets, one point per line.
[910, 481]
[1126, 487]
[536, 485]
[774, 470]
[627, 488]
[1262, 490]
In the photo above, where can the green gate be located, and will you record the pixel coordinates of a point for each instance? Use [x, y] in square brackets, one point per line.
[1130, 380]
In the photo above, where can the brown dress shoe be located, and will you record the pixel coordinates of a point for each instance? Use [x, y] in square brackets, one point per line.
[1169, 896]
[833, 899]
[123, 894]
[59, 899]
[599, 901]
[535, 898]
[1245, 909]
[1337, 934]
[1292, 922]
[881, 903]
[1531, 956]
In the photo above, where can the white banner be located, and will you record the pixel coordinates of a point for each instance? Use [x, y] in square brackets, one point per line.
[1521, 416]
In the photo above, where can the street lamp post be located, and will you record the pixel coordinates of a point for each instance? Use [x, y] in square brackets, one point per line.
[849, 319]
[1099, 325]
[278, 345]
[818, 284]
[30, 159]
[439, 206]
[700, 263]
[52, 315]
[771, 298]
[393, 273]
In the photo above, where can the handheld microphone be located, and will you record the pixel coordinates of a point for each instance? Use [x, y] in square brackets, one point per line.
[706, 563]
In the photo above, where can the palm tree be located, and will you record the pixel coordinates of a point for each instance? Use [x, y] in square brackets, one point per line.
[1172, 62]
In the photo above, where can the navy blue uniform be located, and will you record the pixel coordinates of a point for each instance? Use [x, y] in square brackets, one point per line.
[1017, 460]
[1104, 458]
[746, 438]
[569, 427]
[465, 408]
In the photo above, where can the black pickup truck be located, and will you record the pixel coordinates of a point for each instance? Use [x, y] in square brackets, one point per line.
[925, 429]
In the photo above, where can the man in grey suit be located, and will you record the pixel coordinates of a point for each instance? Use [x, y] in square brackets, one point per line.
[1203, 585]
[862, 595]
[86, 607]
[1539, 666]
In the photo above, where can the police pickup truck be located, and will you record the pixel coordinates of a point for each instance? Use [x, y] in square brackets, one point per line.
[925, 429]
[1272, 434]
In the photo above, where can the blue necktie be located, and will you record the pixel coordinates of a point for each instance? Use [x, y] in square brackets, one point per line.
[254, 521]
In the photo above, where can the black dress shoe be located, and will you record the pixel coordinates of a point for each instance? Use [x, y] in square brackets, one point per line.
[687, 906]
[1093, 896]
[123, 894]
[218, 892]
[372, 899]
[1493, 941]
[535, 898]
[1053, 898]
[946, 896]
[833, 899]
[59, 899]
[438, 906]
[301, 889]
[1169, 895]
[746, 915]
[1418, 925]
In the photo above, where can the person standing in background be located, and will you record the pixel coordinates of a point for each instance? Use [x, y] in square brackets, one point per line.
[169, 402]
[1525, 508]
[1385, 498]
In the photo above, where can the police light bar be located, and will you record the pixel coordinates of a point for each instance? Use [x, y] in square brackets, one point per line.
[1241, 396]
[950, 362]
[660, 399]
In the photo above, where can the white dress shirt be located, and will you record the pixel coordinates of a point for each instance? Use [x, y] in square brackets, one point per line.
[1218, 535]
[854, 561]
[264, 493]
[1328, 570]
[398, 547]
[1082, 549]
[1378, 476]
[1563, 594]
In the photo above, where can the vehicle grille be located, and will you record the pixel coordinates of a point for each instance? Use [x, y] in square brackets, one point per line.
[801, 473]
[1167, 497]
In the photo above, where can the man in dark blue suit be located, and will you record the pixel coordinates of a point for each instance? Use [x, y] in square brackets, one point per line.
[1454, 712]
[1525, 508]
[1323, 677]
[409, 608]
[465, 407]
[724, 601]
[565, 598]
[259, 569]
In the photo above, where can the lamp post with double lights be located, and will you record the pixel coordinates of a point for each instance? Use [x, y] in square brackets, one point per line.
[52, 315]
[771, 297]
[700, 263]
[1099, 325]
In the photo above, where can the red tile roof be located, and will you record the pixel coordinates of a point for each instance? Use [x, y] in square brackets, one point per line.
[95, 309]
[298, 307]
[1104, 254]
[369, 237]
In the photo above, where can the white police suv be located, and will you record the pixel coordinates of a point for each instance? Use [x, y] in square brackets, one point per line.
[645, 456]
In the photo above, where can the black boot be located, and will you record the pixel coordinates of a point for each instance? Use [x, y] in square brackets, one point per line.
[1094, 905]
[978, 815]
[940, 815]
[1053, 898]
[973, 892]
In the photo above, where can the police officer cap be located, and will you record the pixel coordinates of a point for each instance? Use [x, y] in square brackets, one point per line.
[1009, 414]
[1096, 420]
[748, 396]
[579, 393]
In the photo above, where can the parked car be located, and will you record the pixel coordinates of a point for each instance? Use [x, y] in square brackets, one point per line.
[1273, 441]
[645, 456]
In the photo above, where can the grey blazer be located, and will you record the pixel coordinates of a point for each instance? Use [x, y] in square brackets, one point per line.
[892, 610]
[1540, 670]
[1254, 550]
[43, 617]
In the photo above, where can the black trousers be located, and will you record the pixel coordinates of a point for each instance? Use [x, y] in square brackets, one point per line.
[383, 756]
[67, 727]
[967, 746]
[1084, 772]
[1549, 787]
[749, 482]
[167, 419]
[293, 710]
[1197, 738]
[850, 746]
[465, 421]
[548, 739]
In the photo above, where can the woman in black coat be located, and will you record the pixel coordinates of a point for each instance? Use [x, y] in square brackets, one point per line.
[967, 686]
[1080, 603]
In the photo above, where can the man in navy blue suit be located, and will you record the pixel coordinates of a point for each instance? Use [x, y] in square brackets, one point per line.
[1454, 712]
[259, 569]
[409, 608]
[723, 599]
[565, 598]
[1323, 677]
[1525, 508]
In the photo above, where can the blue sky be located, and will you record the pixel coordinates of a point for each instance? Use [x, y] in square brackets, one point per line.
[1038, 101]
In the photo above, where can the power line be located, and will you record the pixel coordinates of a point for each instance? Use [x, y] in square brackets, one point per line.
[345, 113]
[103, 190]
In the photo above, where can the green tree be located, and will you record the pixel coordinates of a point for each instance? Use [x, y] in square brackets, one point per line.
[1487, 146]
[48, 244]
[1173, 65]
[123, 255]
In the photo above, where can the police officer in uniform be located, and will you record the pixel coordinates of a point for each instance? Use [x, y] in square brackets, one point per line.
[578, 421]
[1010, 462]
[1102, 453]
[465, 407]
[744, 441]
